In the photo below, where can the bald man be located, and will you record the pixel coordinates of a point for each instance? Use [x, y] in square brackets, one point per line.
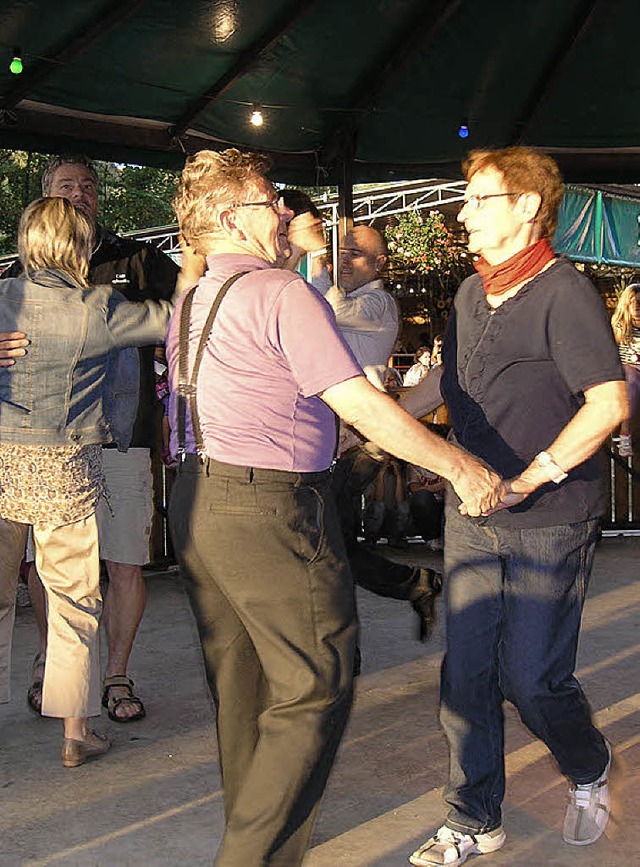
[367, 317]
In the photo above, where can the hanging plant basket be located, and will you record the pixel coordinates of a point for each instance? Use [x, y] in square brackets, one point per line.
[422, 243]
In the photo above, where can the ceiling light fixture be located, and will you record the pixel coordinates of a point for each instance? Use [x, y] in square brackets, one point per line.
[256, 116]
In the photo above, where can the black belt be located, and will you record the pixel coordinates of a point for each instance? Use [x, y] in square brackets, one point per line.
[210, 467]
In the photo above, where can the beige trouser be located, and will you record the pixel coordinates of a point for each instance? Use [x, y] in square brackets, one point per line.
[68, 565]
[12, 541]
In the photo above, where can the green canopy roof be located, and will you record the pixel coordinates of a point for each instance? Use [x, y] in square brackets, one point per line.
[387, 81]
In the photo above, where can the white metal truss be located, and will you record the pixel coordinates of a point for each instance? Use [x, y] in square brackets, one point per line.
[165, 238]
[370, 202]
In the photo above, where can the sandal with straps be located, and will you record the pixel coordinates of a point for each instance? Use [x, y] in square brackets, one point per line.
[121, 681]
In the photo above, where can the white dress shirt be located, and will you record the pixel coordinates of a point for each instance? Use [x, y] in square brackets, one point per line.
[368, 320]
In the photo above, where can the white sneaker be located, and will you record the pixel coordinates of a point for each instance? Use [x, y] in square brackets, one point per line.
[453, 847]
[588, 811]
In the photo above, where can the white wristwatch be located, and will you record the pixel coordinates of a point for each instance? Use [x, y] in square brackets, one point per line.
[555, 473]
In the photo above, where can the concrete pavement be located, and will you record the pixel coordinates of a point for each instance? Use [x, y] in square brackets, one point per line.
[156, 798]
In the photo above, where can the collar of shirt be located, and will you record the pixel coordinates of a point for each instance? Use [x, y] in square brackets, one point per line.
[361, 290]
[222, 265]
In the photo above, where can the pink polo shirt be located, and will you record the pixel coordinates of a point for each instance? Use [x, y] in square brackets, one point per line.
[273, 348]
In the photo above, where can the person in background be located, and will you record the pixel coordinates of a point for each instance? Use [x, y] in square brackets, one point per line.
[306, 240]
[426, 504]
[367, 317]
[51, 429]
[534, 386]
[436, 354]
[626, 329]
[366, 314]
[386, 510]
[139, 271]
[420, 368]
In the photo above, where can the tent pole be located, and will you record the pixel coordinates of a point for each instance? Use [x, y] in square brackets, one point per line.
[598, 227]
[345, 198]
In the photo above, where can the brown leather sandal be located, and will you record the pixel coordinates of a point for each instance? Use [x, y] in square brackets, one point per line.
[112, 704]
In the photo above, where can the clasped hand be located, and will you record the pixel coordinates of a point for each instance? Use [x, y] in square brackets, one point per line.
[12, 345]
[484, 493]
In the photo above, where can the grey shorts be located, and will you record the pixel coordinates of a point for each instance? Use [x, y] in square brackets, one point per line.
[124, 515]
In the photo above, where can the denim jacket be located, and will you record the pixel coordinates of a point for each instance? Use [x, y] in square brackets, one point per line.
[54, 396]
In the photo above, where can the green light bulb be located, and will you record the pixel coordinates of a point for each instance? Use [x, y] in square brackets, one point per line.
[16, 65]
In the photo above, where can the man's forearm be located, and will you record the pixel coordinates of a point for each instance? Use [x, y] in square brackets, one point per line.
[381, 420]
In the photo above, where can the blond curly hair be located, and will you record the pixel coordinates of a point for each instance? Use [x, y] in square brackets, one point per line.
[210, 182]
[622, 319]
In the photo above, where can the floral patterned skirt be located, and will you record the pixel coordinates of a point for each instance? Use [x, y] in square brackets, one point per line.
[49, 485]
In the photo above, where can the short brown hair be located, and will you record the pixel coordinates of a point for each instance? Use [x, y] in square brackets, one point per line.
[525, 170]
[54, 234]
[210, 182]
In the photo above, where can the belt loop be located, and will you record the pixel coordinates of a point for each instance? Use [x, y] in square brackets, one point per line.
[250, 474]
[207, 465]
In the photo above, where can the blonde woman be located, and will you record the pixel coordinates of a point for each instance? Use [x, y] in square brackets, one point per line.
[626, 328]
[51, 429]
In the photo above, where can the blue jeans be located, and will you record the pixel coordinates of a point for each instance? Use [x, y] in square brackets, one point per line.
[514, 603]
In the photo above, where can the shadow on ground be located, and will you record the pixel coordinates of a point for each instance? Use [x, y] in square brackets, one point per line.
[156, 798]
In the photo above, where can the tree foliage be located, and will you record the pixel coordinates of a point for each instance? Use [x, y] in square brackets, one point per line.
[131, 197]
[135, 197]
[20, 174]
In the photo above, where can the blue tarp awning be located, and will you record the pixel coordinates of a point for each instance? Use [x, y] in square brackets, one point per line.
[599, 226]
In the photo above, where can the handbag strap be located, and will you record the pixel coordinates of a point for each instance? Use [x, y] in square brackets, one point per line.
[188, 386]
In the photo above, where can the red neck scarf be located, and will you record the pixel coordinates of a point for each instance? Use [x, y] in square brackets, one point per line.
[498, 279]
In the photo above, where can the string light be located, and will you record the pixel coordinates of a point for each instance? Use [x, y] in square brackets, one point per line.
[256, 116]
[16, 64]
[463, 129]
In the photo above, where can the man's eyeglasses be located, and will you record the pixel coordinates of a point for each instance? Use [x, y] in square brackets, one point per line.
[476, 202]
[273, 203]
